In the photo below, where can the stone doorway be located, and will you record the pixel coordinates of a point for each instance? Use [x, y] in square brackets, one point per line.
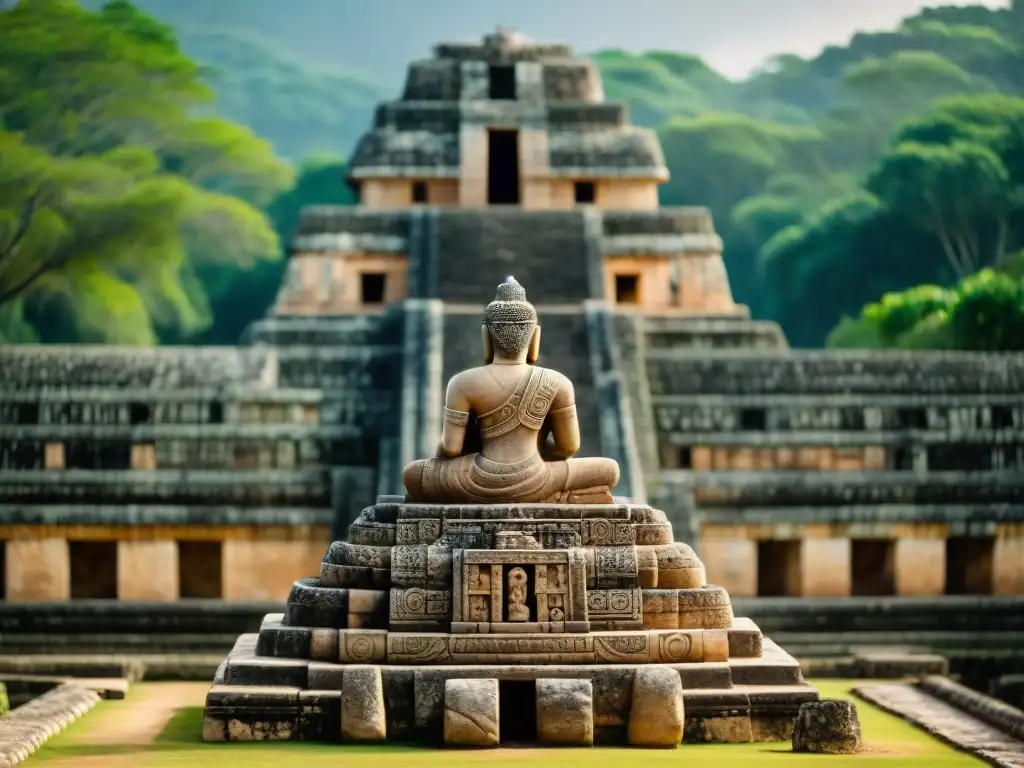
[517, 712]
[503, 167]
[200, 568]
[93, 570]
[778, 569]
[969, 565]
[873, 566]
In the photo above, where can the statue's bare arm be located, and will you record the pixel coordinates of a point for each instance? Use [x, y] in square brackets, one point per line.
[456, 417]
[565, 428]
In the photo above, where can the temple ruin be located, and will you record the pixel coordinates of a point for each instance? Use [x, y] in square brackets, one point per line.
[148, 477]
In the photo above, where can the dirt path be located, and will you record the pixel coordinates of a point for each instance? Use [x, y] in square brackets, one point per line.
[134, 722]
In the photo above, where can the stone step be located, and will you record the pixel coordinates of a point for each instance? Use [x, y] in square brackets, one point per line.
[946, 722]
[414, 701]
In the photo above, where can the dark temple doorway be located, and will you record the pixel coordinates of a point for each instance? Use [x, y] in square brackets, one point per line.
[873, 567]
[503, 168]
[517, 712]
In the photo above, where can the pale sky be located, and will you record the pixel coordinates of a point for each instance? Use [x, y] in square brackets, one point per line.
[734, 36]
[380, 37]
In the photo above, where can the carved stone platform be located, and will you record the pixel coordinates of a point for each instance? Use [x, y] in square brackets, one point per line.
[588, 615]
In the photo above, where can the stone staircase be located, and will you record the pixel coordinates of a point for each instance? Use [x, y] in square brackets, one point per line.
[545, 250]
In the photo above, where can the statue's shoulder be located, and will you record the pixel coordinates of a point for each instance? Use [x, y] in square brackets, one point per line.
[466, 377]
[559, 379]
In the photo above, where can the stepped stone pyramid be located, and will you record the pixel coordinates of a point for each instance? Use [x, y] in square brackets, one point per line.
[412, 633]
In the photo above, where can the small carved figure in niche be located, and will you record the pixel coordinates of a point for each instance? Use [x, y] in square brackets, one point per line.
[479, 608]
[517, 608]
[556, 614]
[519, 416]
[556, 578]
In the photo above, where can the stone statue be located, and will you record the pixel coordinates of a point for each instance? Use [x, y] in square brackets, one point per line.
[522, 416]
[517, 608]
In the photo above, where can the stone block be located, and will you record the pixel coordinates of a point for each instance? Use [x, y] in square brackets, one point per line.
[368, 601]
[622, 647]
[682, 646]
[323, 645]
[471, 712]
[264, 570]
[284, 642]
[825, 568]
[656, 710]
[730, 563]
[346, 576]
[252, 713]
[37, 569]
[716, 645]
[708, 607]
[732, 729]
[290, 673]
[565, 712]
[920, 567]
[827, 726]
[362, 646]
[311, 604]
[319, 716]
[745, 639]
[324, 676]
[363, 717]
[889, 666]
[417, 648]
[1007, 561]
[147, 570]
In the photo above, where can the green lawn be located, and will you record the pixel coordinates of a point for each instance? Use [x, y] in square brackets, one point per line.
[889, 741]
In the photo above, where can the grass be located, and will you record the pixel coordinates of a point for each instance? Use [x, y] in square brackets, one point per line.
[889, 740]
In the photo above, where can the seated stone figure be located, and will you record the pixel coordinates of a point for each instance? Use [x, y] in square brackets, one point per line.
[522, 416]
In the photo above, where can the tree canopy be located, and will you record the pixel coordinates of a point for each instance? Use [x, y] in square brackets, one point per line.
[115, 189]
[872, 194]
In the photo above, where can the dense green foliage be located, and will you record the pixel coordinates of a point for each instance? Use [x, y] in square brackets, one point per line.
[135, 207]
[113, 192]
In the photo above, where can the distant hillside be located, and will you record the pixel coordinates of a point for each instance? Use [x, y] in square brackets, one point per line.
[304, 110]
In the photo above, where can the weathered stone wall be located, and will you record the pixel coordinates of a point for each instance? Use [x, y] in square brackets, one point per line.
[853, 473]
[188, 472]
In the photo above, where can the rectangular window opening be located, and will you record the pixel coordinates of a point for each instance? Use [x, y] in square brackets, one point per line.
[372, 287]
[503, 168]
[502, 82]
[753, 419]
[419, 192]
[584, 192]
[627, 289]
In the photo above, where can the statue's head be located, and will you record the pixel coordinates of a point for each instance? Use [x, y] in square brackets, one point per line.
[510, 324]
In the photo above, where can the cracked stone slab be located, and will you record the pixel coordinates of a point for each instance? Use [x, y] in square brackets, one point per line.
[471, 712]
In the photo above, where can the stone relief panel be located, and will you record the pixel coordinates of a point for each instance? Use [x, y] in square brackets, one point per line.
[419, 605]
[362, 646]
[606, 533]
[614, 605]
[609, 567]
[417, 648]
